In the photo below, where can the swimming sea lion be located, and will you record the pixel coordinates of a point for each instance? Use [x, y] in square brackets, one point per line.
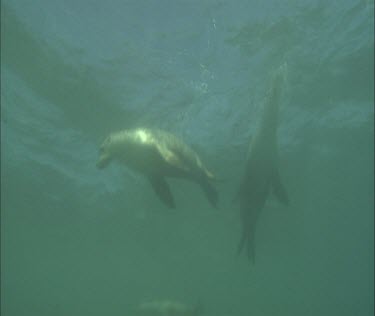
[261, 172]
[157, 154]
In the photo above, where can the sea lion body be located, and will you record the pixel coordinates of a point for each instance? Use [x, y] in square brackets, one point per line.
[261, 174]
[158, 155]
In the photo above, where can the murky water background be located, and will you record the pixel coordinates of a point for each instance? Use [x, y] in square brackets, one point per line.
[79, 241]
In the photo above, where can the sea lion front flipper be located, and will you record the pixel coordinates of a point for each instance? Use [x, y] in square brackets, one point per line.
[279, 189]
[162, 190]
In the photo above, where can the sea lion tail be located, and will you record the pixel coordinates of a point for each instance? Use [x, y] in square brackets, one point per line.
[210, 175]
[213, 177]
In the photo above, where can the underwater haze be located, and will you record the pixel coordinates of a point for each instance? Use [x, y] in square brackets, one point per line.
[80, 241]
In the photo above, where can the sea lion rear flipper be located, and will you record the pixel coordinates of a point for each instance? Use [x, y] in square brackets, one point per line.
[162, 190]
[247, 239]
[210, 191]
[279, 189]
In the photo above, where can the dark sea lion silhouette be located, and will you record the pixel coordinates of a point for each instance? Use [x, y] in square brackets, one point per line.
[157, 154]
[261, 174]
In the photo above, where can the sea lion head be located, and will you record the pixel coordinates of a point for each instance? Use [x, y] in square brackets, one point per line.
[119, 145]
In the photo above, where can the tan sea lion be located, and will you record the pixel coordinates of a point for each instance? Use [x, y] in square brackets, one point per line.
[167, 308]
[157, 154]
[261, 172]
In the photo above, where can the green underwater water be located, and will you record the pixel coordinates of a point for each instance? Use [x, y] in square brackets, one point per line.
[76, 240]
